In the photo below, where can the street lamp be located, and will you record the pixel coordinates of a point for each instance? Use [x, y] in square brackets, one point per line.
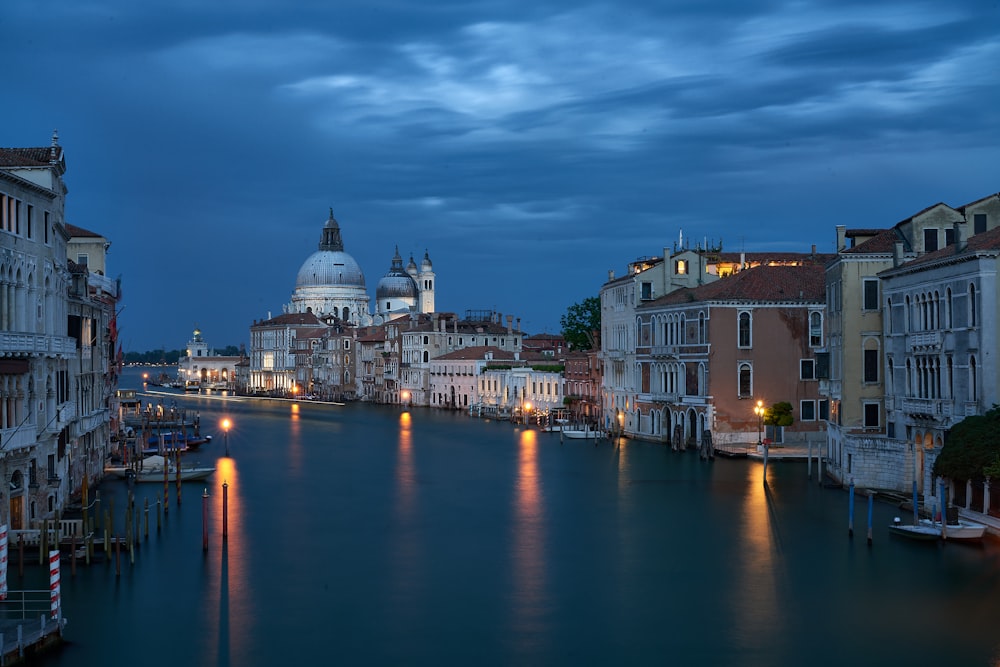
[405, 396]
[759, 411]
[225, 432]
[525, 409]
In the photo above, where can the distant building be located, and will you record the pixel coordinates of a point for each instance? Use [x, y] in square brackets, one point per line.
[201, 364]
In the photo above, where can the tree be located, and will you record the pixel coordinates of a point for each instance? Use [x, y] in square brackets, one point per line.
[971, 448]
[582, 323]
[779, 414]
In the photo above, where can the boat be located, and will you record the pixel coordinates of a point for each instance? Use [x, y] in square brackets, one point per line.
[151, 470]
[580, 433]
[192, 385]
[914, 531]
[174, 441]
[961, 531]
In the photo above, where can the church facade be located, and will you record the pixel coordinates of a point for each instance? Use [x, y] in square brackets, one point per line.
[331, 293]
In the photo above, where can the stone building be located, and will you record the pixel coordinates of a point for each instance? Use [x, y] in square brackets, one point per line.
[58, 339]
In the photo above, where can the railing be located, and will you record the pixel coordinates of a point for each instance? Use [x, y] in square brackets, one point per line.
[16, 438]
[927, 406]
[32, 537]
[89, 423]
[923, 339]
[42, 344]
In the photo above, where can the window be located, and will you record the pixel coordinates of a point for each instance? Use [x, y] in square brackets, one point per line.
[815, 329]
[979, 223]
[746, 380]
[347, 344]
[871, 294]
[807, 369]
[972, 305]
[871, 366]
[680, 267]
[81, 260]
[807, 411]
[949, 237]
[930, 240]
[744, 330]
[871, 415]
[646, 291]
[824, 409]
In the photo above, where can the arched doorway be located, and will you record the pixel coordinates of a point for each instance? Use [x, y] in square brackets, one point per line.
[17, 501]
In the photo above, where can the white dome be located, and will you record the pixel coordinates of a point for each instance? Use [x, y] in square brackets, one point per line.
[333, 268]
[330, 266]
[396, 283]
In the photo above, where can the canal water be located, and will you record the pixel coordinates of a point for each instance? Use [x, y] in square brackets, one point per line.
[365, 535]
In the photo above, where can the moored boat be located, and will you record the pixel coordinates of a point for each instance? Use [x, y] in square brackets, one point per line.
[580, 433]
[961, 531]
[914, 531]
[151, 470]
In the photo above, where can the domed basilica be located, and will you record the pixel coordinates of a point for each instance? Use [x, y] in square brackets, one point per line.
[331, 282]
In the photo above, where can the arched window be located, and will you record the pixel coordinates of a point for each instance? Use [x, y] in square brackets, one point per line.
[746, 380]
[815, 329]
[743, 338]
[702, 339]
[681, 333]
[947, 308]
[347, 314]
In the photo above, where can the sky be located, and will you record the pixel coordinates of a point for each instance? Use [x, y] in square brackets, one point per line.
[529, 147]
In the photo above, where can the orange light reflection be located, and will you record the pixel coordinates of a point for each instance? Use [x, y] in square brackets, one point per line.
[528, 557]
[759, 566]
[228, 568]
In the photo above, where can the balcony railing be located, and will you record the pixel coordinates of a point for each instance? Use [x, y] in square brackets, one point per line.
[924, 340]
[18, 438]
[932, 407]
[13, 343]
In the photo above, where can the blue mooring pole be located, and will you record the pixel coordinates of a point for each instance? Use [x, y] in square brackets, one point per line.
[871, 502]
[850, 511]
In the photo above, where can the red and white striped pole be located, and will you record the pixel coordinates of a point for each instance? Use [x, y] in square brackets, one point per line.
[54, 582]
[3, 562]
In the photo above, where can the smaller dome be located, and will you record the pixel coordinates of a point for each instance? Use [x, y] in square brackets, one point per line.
[396, 283]
[426, 264]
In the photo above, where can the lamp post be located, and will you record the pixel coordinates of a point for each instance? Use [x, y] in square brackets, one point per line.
[225, 432]
[406, 397]
[759, 411]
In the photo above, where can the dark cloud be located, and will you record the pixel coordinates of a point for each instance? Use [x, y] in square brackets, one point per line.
[528, 147]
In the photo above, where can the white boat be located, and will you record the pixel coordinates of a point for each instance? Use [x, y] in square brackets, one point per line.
[962, 531]
[577, 433]
[917, 531]
[151, 470]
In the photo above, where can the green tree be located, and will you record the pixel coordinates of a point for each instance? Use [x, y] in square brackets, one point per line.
[971, 448]
[779, 414]
[581, 325]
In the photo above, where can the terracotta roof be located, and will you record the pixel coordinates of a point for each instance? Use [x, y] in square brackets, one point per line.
[377, 337]
[28, 157]
[292, 319]
[883, 241]
[799, 284]
[75, 231]
[476, 353]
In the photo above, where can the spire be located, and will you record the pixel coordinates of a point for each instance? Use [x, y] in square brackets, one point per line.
[331, 235]
[397, 261]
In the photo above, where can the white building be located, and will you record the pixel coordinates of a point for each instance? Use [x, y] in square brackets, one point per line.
[57, 342]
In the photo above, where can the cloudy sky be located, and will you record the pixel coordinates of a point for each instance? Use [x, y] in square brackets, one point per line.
[528, 146]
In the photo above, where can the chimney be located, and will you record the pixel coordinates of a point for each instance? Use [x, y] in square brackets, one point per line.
[841, 238]
[897, 253]
[611, 275]
[960, 244]
[510, 324]
[814, 249]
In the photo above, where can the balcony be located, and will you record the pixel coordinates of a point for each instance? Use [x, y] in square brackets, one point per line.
[18, 438]
[934, 408]
[89, 423]
[924, 340]
[664, 350]
[15, 344]
[664, 397]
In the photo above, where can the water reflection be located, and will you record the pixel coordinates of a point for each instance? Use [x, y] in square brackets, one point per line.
[405, 552]
[229, 617]
[758, 566]
[529, 595]
[296, 453]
